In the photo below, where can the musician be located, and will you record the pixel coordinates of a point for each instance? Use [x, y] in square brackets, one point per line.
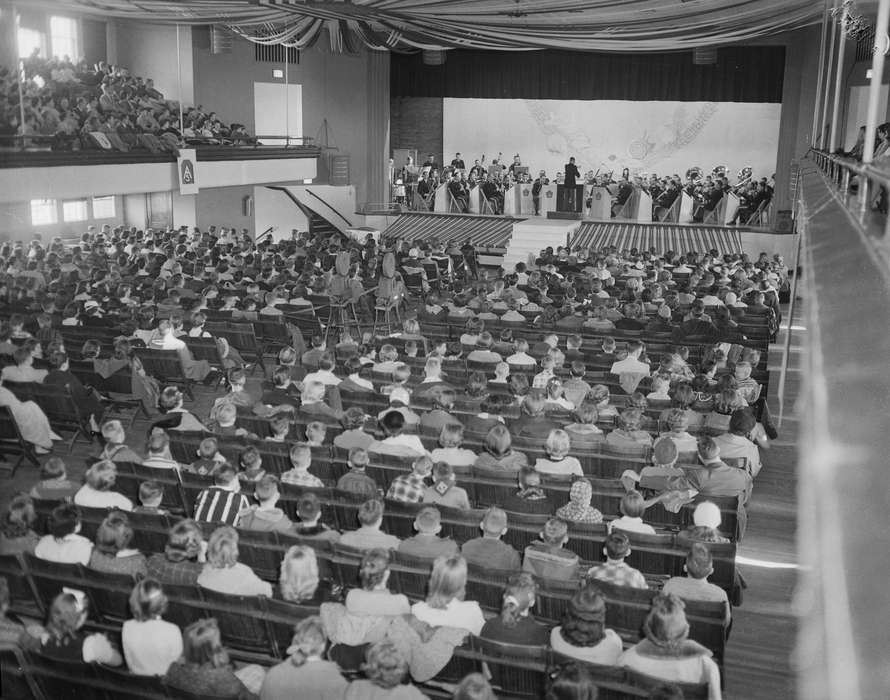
[477, 172]
[538, 184]
[515, 164]
[457, 162]
[493, 194]
[625, 190]
[457, 186]
[430, 162]
[712, 196]
[666, 200]
[570, 175]
[425, 190]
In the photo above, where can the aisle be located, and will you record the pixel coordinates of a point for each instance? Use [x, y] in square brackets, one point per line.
[758, 654]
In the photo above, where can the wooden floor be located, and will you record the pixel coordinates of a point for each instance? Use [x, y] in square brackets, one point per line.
[758, 656]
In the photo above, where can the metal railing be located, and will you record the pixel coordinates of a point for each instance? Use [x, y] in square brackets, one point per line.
[863, 189]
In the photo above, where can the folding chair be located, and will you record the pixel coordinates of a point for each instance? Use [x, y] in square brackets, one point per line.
[516, 671]
[23, 599]
[110, 594]
[242, 622]
[12, 442]
[166, 367]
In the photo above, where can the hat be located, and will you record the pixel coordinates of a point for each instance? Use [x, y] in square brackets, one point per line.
[664, 451]
[707, 514]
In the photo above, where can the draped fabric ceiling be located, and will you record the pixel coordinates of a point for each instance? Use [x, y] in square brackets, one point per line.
[406, 25]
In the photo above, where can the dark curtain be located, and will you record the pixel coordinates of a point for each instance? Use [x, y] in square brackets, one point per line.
[741, 74]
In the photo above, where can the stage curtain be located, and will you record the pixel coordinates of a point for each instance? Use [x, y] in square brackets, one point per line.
[741, 74]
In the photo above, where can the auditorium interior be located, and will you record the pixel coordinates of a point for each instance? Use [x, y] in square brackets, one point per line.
[479, 350]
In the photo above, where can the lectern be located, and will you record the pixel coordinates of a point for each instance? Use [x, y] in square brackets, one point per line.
[570, 198]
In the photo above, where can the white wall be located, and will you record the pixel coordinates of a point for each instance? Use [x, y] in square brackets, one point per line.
[150, 51]
[659, 137]
[277, 111]
[857, 112]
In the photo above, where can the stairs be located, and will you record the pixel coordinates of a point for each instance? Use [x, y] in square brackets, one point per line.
[530, 236]
[317, 223]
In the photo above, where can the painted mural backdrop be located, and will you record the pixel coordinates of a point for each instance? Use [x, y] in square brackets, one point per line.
[645, 137]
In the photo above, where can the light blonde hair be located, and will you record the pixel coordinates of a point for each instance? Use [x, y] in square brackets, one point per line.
[452, 435]
[299, 574]
[222, 548]
[448, 580]
[101, 475]
[558, 443]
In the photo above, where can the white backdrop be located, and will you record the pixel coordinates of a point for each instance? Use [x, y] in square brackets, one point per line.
[646, 137]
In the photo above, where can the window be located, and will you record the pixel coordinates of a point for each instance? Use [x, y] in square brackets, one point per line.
[63, 37]
[75, 210]
[103, 207]
[29, 40]
[43, 212]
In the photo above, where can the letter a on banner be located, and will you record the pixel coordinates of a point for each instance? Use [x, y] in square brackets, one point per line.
[188, 174]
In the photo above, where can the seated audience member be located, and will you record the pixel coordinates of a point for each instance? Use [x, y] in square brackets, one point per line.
[299, 581]
[400, 376]
[677, 423]
[312, 403]
[150, 643]
[31, 421]
[54, 484]
[369, 535]
[483, 351]
[533, 422]
[437, 419]
[427, 544]
[614, 570]
[695, 586]
[716, 478]
[628, 434]
[395, 442]
[97, 490]
[399, 398]
[450, 450]
[445, 605]
[489, 551]
[584, 433]
[112, 553]
[668, 653]
[17, 534]
[356, 479]
[520, 359]
[737, 442]
[388, 359]
[473, 686]
[499, 454]
[530, 498]
[374, 598]
[204, 668]
[385, 669]
[306, 668]
[23, 370]
[410, 488]
[158, 452]
[182, 560]
[222, 502]
[301, 459]
[558, 461]
[575, 389]
[583, 634]
[151, 494]
[116, 449]
[209, 458]
[316, 433]
[354, 382]
[251, 465]
[223, 572]
[444, 492]
[310, 525]
[432, 380]
[266, 515]
[660, 386]
[601, 398]
[353, 434]
[554, 399]
[64, 639]
[515, 625]
[705, 525]
[325, 372]
[578, 509]
[88, 402]
[548, 557]
[633, 505]
[572, 682]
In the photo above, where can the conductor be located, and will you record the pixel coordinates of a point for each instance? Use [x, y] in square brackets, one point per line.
[571, 174]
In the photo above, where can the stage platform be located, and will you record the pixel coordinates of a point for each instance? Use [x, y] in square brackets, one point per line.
[490, 232]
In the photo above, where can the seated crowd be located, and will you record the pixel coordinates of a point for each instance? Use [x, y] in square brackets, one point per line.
[159, 289]
[74, 106]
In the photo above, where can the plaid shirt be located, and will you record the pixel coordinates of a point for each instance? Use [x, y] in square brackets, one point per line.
[301, 478]
[619, 573]
[181, 573]
[407, 488]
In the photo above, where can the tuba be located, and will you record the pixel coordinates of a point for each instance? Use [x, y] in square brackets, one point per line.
[719, 171]
[744, 175]
[694, 173]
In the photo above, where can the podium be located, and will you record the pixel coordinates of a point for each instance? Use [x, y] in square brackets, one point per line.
[600, 203]
[570, 199]
[548, 199]
[526, 203]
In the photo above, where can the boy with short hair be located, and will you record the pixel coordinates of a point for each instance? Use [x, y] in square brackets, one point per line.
[310, 525]
[489, 551]
[159, 455]
[409, 488]
[315, 433]
[209, 458]
[251, 465]
[356, 480]
[427, 544]
[226, 416]
[279, 426]
[548, 558]
[615, 571]
[265, 516]
[695, 585]
[54, 484]
[369, 534]
[222, 502]
[301, 459]
[151, 493]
